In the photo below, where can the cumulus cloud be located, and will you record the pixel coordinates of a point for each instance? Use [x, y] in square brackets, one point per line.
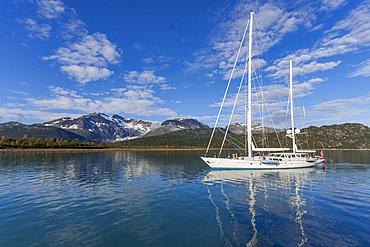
[93, 49]
[62, 91]
[84, 57]
[85, 73]
[87, 59]
[144, 78]
[148, 78]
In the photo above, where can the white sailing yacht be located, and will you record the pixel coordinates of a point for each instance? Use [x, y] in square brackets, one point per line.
[278, 160]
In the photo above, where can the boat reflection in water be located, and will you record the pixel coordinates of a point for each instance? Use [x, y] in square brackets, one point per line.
[262, 207]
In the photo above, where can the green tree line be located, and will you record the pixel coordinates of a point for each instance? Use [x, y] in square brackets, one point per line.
[33, 142]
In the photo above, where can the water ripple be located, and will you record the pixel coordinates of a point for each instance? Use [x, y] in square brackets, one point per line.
[173, 199]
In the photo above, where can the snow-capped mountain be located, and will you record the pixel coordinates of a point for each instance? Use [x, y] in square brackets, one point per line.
[177, 124]
[102, 128]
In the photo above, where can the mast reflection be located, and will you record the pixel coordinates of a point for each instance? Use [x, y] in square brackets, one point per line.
[244, 200]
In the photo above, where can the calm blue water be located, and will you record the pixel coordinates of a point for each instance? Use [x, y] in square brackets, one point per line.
[118, 198]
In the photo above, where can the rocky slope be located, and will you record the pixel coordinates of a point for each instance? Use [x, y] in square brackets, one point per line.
[175, 125]
[342, 136]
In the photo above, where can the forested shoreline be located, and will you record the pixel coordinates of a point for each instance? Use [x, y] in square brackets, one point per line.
[47, 143]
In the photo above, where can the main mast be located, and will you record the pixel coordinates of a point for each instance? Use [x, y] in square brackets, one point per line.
[249, 125]
[291, 103]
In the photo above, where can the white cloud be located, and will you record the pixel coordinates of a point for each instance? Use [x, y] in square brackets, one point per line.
[73, 27]
[341, 108]
[138, 46]
[332, 4]
[164, 59]
[166, 87]
[35, 30]
[84, 73]
[273, 22]
[318, 27]
[62, 91]
[18, 92]
[19, 114]
[157, 63]
[271, 101]
[363, 69]
[86, 60]
[50, 8]
[93, 49]
[24, 83]
[146, 77]
[307, 68]
[85, 57]
[134, 99]
[208, 84]
[347, 35]
[147, 60]
[350, 33]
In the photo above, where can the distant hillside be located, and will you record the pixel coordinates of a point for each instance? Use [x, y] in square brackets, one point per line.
[344, 136]
[201, 132]
[18, 130]
[168, 141]
[349, 135]
[176, 125]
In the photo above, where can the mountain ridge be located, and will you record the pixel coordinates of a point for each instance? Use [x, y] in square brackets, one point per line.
[99, 127]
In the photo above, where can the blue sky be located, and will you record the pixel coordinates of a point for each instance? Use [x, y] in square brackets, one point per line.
[157, 59]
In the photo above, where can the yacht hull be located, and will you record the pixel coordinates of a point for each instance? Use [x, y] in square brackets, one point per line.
[257, 163]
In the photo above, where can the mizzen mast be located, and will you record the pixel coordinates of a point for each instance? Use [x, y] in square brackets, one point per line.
[291, 104]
